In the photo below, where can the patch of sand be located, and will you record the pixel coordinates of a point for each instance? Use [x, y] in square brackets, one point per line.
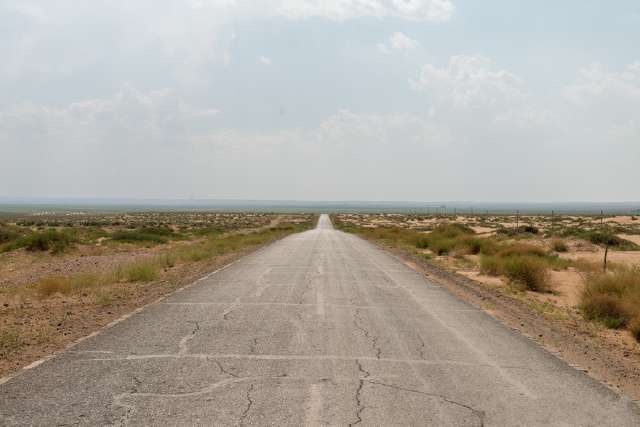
[483, 230]
[631, 237]
[567, 286]
[625, 220]
[597, 256]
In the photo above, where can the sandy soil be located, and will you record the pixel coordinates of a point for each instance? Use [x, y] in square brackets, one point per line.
[635, 238]
[626, 220]
[597, 256]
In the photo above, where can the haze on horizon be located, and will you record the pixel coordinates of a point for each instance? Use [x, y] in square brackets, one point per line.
[320, 100]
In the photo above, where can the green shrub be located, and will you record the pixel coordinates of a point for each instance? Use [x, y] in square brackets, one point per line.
[53, 240]
[527, 271]
[442, 246]
[490, 265]
[7, 235]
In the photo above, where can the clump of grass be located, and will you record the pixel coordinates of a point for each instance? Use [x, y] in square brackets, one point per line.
[52, 285]
[529, 272]
[445, 238]
[49, 286]
[559, 245]
[613, 298]
[134, 236]
[166, 261]
[522, 249]
[10, 342]
[142, 271]
[491, 265]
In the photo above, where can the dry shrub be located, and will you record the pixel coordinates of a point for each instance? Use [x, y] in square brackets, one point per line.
[52, 285]
[613, 298]
[522, 249]
[490, 265]
[559, 245]
[528, 272]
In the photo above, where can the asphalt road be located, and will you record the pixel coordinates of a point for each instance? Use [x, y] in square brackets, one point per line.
[321, 328]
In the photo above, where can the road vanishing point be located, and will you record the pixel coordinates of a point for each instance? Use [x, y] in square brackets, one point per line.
[319, 328]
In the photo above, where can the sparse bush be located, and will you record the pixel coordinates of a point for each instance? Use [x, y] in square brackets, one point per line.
[53, 240]
[527, 271]
[559, 245]
[608, 309]
[522, 249]
[612, 298]
[7, 234]
[442, 246]
[490, 265]
[143, 271]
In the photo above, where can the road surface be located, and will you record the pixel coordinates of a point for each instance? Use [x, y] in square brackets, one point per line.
[320, 328]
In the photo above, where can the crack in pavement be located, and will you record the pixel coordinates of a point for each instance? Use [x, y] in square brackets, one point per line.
[184, 342]
[262, 286]
[249, 404]
[223, 370]
[374, 340]
[476, 412]
[359, 405]
[421, 349]
[128, 409]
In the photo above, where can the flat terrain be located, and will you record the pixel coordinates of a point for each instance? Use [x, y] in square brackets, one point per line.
[320, 328]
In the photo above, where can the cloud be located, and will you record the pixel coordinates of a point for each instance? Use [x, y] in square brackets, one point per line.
[601, 94]
[470, 81]
[263, 60]
[340, 10]
[398, 42]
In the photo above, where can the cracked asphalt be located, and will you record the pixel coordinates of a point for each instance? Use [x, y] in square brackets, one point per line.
[320, 328]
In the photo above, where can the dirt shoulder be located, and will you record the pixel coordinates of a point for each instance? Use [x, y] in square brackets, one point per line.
[62, 320]
[602, 354]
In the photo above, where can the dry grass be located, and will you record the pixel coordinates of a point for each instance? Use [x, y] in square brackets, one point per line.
[141, 271]
[11, 341]
[613, 298]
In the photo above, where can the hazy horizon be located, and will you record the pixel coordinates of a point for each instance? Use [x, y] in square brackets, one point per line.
[339, 100]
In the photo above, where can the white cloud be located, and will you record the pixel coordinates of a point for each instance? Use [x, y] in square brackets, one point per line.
[340, 10]
[263, 60]
[470, 81]
[610, 95]
[398, 42]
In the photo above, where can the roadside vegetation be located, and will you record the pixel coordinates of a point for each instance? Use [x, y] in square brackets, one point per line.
[525, 253]
[143, 259]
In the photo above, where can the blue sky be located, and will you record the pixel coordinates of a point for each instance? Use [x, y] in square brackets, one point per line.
[339, 99]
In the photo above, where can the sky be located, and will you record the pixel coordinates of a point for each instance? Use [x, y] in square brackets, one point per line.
[415, 100]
